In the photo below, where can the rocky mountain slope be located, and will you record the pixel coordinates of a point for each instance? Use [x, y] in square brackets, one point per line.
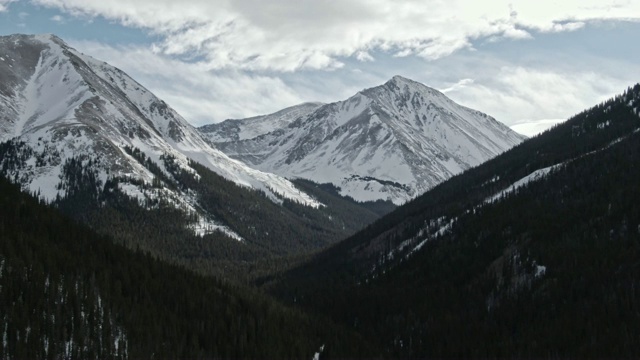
[390, 142]
[60, 104]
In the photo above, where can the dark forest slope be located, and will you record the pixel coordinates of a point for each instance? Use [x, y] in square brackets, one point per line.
[66, 292]
[549, 269]
[269, 231]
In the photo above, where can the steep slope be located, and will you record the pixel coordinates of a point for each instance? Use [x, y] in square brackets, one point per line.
[64, 103]
[390, 142]
[505, 259]
[67, 292]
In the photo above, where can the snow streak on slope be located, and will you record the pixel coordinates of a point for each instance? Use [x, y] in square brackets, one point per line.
[534, 176]
[426, 233]
[542, 173]
[63, 104]
[391, 142]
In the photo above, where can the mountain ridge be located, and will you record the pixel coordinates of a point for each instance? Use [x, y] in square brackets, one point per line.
[389, 142]
[86, 89]
[243, 129]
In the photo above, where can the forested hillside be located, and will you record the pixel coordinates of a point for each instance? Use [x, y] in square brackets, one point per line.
[87, 137]
[267, 232]
[66, 292]
[479, 268]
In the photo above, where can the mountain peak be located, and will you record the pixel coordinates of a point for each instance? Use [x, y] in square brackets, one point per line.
[402, 84]
[46, 37]
[58, 100]
[401, 79]
[393, 141]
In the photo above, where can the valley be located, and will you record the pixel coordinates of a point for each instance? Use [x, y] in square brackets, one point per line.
[394, 224]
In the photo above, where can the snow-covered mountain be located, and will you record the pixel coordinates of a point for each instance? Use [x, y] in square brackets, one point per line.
[61, 104]
[393, 141]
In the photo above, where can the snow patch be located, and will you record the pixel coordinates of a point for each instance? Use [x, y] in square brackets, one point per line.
[433, 229]
[185, 202]
[316, 356]
[540, 271]
[604, 125]
[441, 231]
[203, 227]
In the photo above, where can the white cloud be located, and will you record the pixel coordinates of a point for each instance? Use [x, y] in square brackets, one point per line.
[284, 35]
[364, 56]
[534, 127]
[458, 86]
[515, 93]
[4, 4]
[570, 26]
[58, 19]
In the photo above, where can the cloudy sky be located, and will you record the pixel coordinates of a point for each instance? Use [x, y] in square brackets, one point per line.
[528, 63]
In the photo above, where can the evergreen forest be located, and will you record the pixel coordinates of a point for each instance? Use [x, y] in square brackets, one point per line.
[67, 292]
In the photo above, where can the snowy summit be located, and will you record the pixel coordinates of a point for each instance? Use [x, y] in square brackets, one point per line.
[390, 142]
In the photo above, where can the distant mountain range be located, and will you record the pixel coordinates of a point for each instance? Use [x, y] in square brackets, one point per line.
[391, 142]
[72, 122]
